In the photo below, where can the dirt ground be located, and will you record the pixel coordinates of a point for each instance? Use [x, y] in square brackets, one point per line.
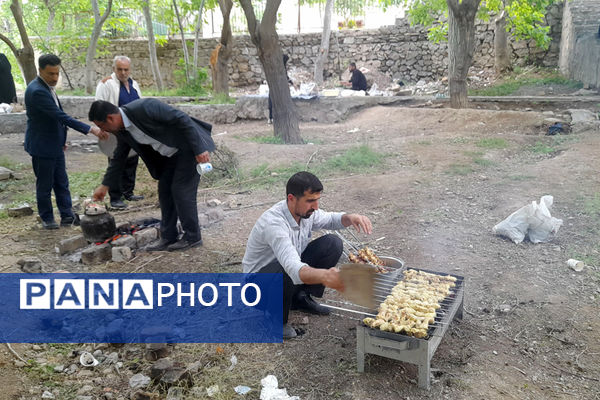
[530, 327]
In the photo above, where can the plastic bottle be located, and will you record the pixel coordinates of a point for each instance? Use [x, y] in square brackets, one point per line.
[203, 168]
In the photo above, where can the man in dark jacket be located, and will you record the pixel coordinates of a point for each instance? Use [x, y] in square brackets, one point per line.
[358, 80]
[8, 94]
[45, 139]
[171, 144]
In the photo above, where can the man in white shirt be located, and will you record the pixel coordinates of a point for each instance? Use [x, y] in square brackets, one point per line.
[280, 243]
[119, 89]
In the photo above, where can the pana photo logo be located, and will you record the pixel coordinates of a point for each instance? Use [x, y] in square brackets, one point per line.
[132, 294]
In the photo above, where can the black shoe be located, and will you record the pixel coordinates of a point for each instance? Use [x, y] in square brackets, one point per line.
[70, 221]
[289, 332]
[184, 244]
[304, 302]
[49, 225]
[118, 205]
[134, 197]
[161, 245]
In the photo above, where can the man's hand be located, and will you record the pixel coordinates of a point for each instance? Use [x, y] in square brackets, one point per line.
[102, 135]
[358, 222]
[106, 79]
[332, 279]
[100, 193]
[202, 157]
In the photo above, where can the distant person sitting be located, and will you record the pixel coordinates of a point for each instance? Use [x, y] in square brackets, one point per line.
[357, 80]
[8, 94]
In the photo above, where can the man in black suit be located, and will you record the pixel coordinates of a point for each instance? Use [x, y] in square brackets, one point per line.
[171, 144]
[45, 140]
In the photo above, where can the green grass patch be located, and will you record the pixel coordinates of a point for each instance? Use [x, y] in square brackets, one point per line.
[11, 164]
[492, 143]
[460, 169]
[265, 139]
[460, 140]
[356, 159]
[512, 83]
[474, 154]
[424, 142]
[484, 162]
[73, 92]
[591, 206]
[82, 184]
[520, 178]
[542, 148]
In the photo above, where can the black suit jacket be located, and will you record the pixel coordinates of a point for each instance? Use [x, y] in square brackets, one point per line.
[167, 125]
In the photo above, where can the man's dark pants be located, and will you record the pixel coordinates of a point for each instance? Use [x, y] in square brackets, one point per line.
[51, 174]
[127, 180]
[177, 189]
[323, 253]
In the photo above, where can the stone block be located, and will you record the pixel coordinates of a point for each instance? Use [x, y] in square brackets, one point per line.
[96, 254]
[5, 174]
[22, 211]
[71, 244]
[127, 241]
[30, 265]
[145, 236]
[121, 253]
[215, 214]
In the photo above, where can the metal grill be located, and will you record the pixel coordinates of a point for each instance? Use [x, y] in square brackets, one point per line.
[399, 346]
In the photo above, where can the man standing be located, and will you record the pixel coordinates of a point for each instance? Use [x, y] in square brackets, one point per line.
[171, 144]
[45, 139]
[357, 80]
[119, 89]
[280, 243]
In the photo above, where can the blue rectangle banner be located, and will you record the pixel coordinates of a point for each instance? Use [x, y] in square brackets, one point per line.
[141, 308]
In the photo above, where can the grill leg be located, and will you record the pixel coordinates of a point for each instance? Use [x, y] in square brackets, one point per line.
[424, 372]
[360, 349]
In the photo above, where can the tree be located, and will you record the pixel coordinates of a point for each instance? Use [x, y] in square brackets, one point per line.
[264, 36]
[324, 48]
[186, 56]
[152, 46]
[461, 43]
[220, 68]
[91, 50]
[25, 56]
[197, 36]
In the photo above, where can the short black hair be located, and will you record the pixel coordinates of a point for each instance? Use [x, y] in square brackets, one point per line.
[100, 109]
[302, 181]
[48, 59]
[353, 64]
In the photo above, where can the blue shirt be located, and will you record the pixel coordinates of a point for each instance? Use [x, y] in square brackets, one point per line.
[125, 96]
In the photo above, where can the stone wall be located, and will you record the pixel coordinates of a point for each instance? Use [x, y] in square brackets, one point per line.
[580, 44]
[399, 51]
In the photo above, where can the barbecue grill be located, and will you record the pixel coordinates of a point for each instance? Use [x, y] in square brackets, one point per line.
[399, 346]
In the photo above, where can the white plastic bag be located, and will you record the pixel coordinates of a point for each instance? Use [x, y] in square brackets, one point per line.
[533, 220]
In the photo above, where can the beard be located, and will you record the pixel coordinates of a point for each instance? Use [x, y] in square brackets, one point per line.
[307, 214]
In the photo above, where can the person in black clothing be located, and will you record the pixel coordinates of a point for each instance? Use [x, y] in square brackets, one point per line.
[285, 60]
[8, 94]
[358, 80]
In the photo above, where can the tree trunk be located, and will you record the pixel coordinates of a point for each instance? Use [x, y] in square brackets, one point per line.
[501, 52]
[324, 49]
[197, 35]
[186, 57]
[461, 44]
[25, 56]
[152, 47]
[221, 73]
[91, 51]
[264, 36]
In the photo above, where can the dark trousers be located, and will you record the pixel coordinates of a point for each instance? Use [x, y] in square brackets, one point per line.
[177, 190]
[127, 183]
[323, 253]
[51, 174]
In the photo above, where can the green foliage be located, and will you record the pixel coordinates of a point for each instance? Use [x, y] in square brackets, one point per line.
[492, 143]
[356, 159]
[514, 83]
[266, 139]
[460, 169]
[197, 86]
[82, 184]
[591, 206]
[542, 148]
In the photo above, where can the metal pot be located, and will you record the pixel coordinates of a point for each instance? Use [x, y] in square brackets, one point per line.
[97, 224]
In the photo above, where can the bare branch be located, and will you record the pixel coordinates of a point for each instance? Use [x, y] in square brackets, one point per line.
[251, 18]
[9, 43]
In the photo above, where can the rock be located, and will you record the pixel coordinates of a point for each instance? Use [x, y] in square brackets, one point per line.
[21, 211]
[47, 395]
[112, 358]
[85, 389]
[96, 254]
[215, 215]
[140, 395]
[583, 120]
[71, 244]
[121, 253]
[145, 236]
[127, 240]
[160, 368]
[5, 173]
[30, 265]
[175, 393]
[138, 381]
[155, 351]
[177, 375]
[59, 368]
[214, 202]
[212, 390]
